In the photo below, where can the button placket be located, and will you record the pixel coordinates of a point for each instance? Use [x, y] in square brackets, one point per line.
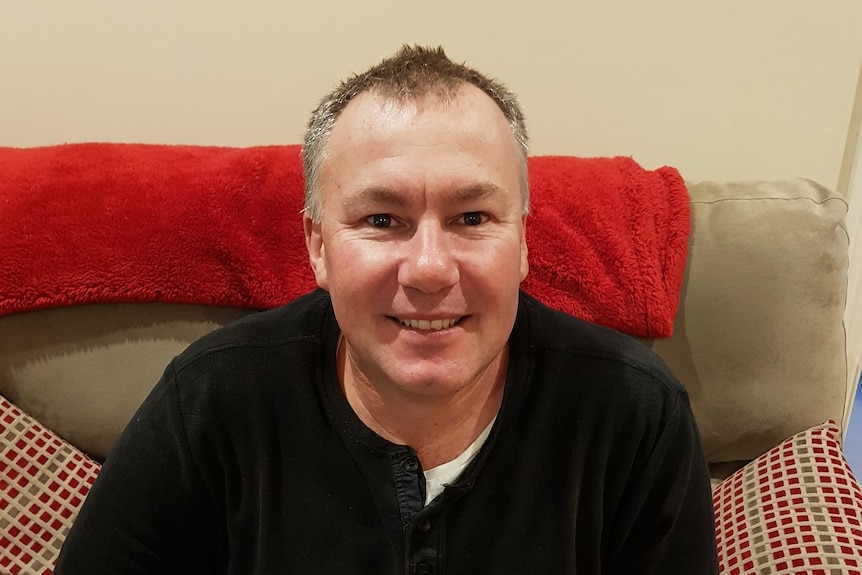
[424, 544]
[406, 470]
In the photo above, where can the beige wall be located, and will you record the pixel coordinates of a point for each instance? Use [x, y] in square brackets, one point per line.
[721, 90]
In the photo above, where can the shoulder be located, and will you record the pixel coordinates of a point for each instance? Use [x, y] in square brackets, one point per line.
[297, 322]
[557, 332]
[602, 386]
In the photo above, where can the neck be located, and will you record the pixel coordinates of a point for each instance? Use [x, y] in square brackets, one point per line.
[440, 427]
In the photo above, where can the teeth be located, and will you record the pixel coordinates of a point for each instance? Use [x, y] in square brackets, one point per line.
[424, 324]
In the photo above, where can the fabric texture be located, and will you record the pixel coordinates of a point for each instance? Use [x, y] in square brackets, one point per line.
[795, 509]
[43, 482]
[82, 371]
[608, 241]
[247, 458]
[108, 223]
[759, 338]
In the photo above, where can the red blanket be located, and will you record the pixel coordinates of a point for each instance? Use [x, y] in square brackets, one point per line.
[101, 223]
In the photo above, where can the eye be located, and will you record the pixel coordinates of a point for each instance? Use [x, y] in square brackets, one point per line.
[473, 218]
[380, 220]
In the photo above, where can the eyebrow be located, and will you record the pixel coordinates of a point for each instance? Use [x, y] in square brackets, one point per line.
[383, 196]
[373, 196]
[474, 192]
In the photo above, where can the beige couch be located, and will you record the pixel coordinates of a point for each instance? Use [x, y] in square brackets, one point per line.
[759, 341]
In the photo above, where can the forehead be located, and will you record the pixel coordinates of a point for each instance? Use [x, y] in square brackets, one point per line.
[466, 135]
[465, 102]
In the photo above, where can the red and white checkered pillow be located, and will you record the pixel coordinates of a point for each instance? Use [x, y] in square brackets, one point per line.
[795, 509]
[43, 482]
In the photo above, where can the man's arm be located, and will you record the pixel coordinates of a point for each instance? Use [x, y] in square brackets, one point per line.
[148, 511]
[666, 523]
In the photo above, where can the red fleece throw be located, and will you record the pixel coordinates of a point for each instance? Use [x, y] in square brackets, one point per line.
[608, 241]
[133, 223]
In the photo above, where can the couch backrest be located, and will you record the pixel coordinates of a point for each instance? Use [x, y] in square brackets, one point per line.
[759, 339]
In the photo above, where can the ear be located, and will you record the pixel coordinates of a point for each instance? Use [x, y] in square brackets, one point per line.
[525, 264]
[315, 247]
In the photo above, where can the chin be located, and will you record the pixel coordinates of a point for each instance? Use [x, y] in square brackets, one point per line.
[427, 380]
[431, 388]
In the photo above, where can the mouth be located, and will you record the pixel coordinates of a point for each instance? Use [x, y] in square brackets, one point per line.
[429, 325]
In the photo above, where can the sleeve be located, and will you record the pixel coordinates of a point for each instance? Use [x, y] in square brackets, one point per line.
[666, 523]
[148, 511]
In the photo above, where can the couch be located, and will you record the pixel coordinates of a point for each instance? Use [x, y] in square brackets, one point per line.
[739, 286]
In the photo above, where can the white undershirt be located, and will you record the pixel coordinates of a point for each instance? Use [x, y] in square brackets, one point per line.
[444, 474]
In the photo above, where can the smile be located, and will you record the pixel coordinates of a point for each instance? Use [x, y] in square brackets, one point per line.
[424, 324]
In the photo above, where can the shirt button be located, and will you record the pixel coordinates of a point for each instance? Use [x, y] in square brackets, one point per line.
[411, 464]
[424, 525]
[424, 569]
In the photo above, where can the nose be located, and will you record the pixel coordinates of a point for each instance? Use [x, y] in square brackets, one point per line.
[429, 263]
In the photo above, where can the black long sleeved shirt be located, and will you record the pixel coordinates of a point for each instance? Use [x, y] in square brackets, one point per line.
[246, 458]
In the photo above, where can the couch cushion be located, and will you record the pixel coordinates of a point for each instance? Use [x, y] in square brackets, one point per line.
[759, 339]
[83, 371]
[43, 482]
[795, 509]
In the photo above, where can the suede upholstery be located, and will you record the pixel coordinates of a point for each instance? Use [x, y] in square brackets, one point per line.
[759, 338]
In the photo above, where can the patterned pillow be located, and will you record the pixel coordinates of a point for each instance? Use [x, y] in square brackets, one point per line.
[43, 481]
[795, 509]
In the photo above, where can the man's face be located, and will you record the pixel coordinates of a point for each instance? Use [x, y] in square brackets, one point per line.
[421, 245]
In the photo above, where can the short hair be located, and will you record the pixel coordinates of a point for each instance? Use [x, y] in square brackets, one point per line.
[412, 73]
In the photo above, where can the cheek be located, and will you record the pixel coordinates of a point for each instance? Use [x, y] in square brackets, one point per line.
[497, 269]
[355, 263]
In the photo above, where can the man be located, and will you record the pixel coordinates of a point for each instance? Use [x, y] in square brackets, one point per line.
[417, 414]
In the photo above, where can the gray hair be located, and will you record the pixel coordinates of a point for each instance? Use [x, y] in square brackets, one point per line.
[414, 72]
